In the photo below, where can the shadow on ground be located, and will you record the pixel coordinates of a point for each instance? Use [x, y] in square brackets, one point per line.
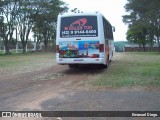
[84, 69]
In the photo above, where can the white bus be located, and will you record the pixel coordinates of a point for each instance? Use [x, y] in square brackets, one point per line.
[84, 38]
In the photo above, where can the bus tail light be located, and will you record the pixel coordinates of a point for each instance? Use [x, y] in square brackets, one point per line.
[57, 48]
[101, 47]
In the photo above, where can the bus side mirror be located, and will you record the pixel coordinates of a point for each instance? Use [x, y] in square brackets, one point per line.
[113, 29]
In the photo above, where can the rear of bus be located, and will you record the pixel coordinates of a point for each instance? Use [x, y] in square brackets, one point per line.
[80, 39]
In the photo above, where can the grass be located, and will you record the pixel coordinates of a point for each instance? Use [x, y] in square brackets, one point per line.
[28, 59]
[131, 69]
[126, 69]
[19, 64]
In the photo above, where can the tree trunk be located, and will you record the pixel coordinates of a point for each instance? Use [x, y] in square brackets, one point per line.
[158, 43]
[144, 48]
[6, 44]
[7, 40]
[151, 38]
[7, 52]
[23, 44]
[45, 42]
[24, 49]
[139, 49]
[38, 42]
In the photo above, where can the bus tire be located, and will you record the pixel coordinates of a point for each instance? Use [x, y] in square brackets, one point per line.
[102, 66]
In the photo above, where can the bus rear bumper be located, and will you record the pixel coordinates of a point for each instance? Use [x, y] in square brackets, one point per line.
[66, 61]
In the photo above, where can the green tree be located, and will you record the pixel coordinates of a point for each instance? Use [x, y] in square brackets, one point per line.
[25, 21]
[25, 16]
[8, 9]
[45, 20]
[137, 34]
[144, 15]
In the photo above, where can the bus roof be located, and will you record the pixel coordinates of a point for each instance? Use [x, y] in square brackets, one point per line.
[79, 14]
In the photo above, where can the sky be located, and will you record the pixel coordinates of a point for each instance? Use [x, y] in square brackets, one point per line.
[113, 10]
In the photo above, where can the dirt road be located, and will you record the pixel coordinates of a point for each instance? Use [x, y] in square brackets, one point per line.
[58, 88]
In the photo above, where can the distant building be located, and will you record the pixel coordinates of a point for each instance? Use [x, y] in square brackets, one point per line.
[119, 45]
[136, 47]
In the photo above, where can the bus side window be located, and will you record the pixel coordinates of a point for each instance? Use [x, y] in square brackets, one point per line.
[108, 30]
[108, 34]
[105, 29]
[111, 34]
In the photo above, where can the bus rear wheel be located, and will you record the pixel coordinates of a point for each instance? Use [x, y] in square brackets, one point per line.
[103, 66]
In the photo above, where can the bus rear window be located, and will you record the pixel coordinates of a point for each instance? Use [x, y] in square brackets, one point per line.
[79, 26]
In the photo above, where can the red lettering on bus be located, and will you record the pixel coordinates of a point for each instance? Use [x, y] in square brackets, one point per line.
[80, 22]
